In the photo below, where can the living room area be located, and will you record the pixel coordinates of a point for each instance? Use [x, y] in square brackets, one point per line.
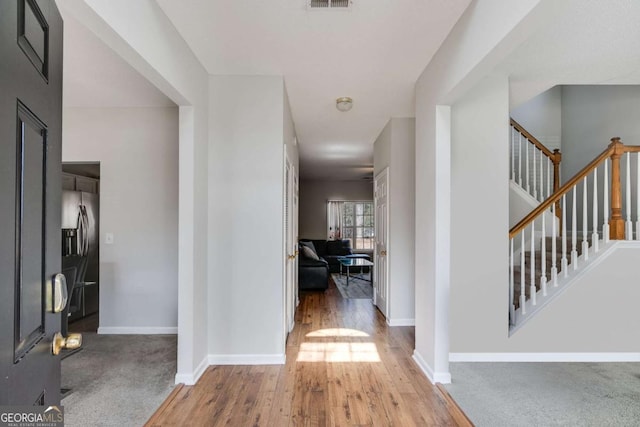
[336, 222]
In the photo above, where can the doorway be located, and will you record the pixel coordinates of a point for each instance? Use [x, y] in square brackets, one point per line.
[80, 241]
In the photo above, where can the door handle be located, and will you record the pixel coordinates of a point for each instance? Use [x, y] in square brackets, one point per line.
[71, 342]
[383, 253]
[57, 300]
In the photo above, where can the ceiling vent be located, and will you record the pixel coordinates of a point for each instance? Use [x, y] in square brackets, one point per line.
[329, 4]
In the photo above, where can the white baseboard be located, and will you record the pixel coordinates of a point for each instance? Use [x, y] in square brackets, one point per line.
[246, 359]
[434, 377]
[544, 357]
[193, 377]
[401, 322]
[190, 378]
[137, 330]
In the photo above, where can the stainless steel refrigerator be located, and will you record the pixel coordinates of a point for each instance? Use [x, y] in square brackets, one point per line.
[80, 234]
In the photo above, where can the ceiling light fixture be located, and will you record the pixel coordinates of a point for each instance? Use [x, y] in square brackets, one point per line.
[344, 104]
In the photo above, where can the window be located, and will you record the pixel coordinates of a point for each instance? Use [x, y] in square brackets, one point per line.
[357, 224]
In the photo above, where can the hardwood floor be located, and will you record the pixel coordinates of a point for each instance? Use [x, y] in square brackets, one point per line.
[344, 367]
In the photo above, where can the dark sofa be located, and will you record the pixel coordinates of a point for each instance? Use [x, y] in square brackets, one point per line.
[314, 274]
[331, 250]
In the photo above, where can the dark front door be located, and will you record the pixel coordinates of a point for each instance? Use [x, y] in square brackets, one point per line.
[30, 186]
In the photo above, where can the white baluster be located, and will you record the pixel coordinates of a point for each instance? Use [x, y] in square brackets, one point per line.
[543, 257]
[554, 237]
[637, 196]
[520, 159]
[549, 164]
[563, 261]
[541, 187]
[526, 166]
[585, 221]
[512, 307]
[532, 285]
[605, 196]
[574, 232]
[523, 284]
[629, 225]
[535, 176]
[513, 155]
[595, 239]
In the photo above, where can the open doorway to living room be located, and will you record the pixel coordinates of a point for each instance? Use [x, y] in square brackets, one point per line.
[337, 238]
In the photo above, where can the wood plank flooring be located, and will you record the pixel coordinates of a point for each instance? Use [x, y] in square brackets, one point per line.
[345, 367]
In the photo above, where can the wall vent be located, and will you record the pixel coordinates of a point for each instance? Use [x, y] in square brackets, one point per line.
[329, 4]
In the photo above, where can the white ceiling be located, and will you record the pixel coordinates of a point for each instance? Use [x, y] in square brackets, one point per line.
[588, 42]
[373, 53]
[95, 76]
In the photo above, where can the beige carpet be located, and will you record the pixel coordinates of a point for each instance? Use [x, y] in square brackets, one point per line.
[357, 289]
[118, 380]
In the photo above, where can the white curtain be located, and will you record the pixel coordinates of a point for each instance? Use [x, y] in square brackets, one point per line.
[335, 211]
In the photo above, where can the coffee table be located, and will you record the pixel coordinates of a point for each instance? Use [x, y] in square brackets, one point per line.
[356, 262]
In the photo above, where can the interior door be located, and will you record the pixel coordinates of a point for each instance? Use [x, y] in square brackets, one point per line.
[381, 267]
[30, 185]
[294, 220]
[289, 248]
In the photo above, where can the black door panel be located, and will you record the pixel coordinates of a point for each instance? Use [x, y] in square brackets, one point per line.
[30, 185]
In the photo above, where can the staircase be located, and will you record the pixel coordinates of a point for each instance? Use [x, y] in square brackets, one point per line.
[572, 226]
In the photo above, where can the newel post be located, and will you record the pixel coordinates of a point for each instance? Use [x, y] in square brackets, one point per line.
[616, 223]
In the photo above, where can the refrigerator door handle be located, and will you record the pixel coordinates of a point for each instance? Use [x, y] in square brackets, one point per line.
[85, 230]
[80, 236]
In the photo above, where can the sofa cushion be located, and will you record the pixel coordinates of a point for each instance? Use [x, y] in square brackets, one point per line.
[307, 252]
[308, 244]
[321, 247]
[339, 247]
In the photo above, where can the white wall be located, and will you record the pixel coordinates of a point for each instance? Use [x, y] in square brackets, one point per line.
[476, 44]
[314, 196]
[395, 148]
[591, 116]
[479, 238]
[137, 149]
[586, 318]
[541, 116]
[246, 275]
[173, 68]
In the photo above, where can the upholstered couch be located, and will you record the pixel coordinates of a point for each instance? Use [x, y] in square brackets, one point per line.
[330, 251]
[313, 274]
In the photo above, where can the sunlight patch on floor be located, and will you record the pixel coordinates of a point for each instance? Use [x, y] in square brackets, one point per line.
[337, 332]
[338, 352]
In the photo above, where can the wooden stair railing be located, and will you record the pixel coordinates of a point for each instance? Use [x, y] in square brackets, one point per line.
[532, 234]
[533, 183]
